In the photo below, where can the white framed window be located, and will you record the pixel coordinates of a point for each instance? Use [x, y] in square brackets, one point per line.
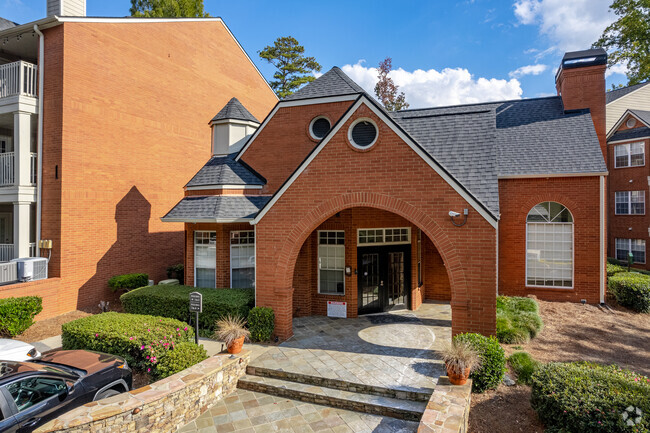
[549, 246]
[384, 236]
[630, 202]
[242, 259]
[629, 155]
[634, 246]
[205, 259]
[331, 262]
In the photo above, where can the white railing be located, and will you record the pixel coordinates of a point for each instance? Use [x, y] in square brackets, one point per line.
[6, 252]
[32, 249]
[6, 168]
[18, 78]
[33, 161]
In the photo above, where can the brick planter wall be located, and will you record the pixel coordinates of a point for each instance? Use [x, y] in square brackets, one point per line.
[163, 406]
[448, 408]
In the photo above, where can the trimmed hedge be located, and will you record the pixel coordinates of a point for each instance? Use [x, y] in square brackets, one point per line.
[524, 366]
[493, 361]
[613, 269]
[142, 340]
[17, 314]
[261, 323]
[518, 319]
[623, 263]
[586, 397]
[182, 356]
[173, 301]
[128, 281]
[631, 290]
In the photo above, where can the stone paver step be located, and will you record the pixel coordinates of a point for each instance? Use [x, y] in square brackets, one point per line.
[356, 401]
[396, 393]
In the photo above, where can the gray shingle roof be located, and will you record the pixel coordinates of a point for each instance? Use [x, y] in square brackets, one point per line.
[643, 115]
[6, 24]
[234, 110]
[613, 95]
[333, 83]
[479, 143]
[216, 208]
[224, 170]
[630, 134]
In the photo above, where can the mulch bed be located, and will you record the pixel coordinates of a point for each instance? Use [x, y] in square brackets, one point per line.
[572, 332]
[49, 327]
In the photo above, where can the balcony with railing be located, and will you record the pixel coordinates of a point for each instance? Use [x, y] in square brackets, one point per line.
[18, 79]
[7, 251]
[7, 171]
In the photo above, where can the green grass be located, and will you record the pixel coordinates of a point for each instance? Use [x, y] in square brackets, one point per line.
[523, 365]
[518, 319]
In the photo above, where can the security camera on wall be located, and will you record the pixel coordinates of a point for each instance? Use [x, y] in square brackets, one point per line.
[453, 214]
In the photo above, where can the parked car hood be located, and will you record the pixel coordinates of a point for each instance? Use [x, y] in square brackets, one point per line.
[90, 362]
[14, 350]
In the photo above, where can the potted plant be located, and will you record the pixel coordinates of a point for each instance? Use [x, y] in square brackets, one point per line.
[461, 359]
[232, 331]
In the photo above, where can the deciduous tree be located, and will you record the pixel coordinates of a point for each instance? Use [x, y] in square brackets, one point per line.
[386, 90]
[168, 9]
[293, 68]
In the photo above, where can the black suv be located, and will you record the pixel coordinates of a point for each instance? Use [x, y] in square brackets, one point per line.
[32, 393]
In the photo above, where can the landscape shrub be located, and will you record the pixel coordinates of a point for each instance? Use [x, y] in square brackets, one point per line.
[631, 290]
[182, 356]
[17, 314]
[585, 397]
[623, 263]
[261, 323]
[493, 361]
[176, 270]
[128, 281]
[615, 269]
[174, 300]
[140, 339]
[523, 366]
[518, 319]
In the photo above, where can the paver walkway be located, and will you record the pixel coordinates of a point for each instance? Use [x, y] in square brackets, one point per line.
[252, 412]
[397, 350]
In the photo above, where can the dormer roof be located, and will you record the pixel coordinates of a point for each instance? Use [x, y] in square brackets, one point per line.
[234, 110]
[333, 83]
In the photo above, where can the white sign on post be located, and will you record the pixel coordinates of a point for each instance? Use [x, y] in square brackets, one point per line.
[337, 309]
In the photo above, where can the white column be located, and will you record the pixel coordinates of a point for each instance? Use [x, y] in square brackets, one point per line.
[22, 148]
[21, 229]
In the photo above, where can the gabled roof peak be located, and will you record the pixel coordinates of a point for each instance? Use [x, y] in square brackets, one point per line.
[334, 82]
[234, 110]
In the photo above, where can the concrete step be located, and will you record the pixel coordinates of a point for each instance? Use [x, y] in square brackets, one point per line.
[356, 401]
[401, 394]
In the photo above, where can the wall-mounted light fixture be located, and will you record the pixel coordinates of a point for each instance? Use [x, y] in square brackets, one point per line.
[453, 215]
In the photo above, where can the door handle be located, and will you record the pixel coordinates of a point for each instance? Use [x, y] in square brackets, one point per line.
[381, 283]
[32, 422]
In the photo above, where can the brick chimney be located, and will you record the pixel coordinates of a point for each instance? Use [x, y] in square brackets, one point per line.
[580, 81]
[66, 8]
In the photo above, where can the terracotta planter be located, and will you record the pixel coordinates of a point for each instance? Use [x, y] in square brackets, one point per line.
[458, 379]
[235, 346]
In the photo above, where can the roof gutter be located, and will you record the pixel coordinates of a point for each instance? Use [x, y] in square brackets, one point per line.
[206, 220]
[39, 176]
[546, 175]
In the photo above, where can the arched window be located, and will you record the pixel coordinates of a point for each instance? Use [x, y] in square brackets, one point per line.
[549, 246]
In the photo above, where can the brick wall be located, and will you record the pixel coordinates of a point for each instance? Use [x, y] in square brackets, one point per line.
[391, 177]
[126, 112]
[581, 195]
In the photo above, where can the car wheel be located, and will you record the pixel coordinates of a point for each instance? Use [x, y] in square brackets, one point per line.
[106, 394]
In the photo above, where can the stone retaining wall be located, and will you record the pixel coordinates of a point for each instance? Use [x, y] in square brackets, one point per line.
[448, 408]
[163, 406]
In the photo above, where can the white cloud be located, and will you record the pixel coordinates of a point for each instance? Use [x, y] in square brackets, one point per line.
[436, 88]
[616, 69]
[570, 25]
[528, 70]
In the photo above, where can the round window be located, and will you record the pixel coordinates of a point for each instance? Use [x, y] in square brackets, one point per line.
[631, 122]
[319, 127]
[363, 133]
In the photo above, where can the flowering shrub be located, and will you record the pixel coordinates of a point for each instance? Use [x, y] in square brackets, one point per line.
[142, 340]
[585, 397]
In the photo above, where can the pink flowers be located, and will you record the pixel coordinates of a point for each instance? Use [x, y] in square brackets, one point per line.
[96, 335]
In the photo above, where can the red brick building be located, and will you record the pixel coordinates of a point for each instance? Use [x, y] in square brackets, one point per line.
[334, 206]
[93, 155]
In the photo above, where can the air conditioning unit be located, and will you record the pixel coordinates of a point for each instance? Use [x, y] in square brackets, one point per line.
[31, 268]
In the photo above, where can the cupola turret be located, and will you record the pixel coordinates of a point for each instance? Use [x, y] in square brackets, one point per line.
[231, 128]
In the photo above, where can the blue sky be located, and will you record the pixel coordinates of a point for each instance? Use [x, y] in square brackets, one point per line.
[444, 52]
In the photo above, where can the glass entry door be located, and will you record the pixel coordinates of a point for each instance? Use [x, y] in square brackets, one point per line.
[383, 277]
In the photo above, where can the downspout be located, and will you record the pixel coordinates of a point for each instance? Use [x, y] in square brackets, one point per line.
[497, 234]
[39, 176]
[602, 239]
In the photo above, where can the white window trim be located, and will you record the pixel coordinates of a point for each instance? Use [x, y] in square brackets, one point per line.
[407, 242]
[311, 127]
[629, 203]
[629, 249]
[215, 262]
[359, 120]
[254, 252]
[629, 155]
[318, 261]
[573, 256]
